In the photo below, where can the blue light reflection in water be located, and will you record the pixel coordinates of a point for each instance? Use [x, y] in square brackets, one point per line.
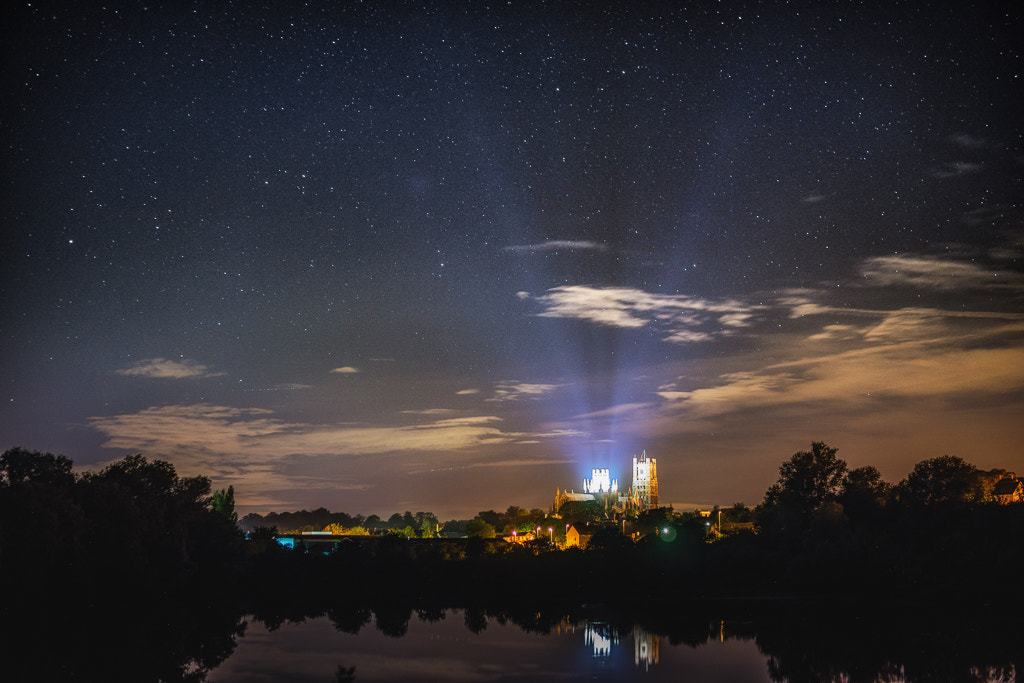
[448, 651]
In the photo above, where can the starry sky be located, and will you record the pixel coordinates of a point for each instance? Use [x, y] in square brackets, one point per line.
[450, 256]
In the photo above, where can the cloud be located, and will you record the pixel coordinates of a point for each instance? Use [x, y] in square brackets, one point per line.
[909, 354]
[889, 372]
[837, 333]
[253, 432]
[347, 370]
[264, 455]
[681, 318]
[511, 390]
[557, 245]
[467, 392]
[955, 169]
[162, 368]
[933, 273]
[968, 141]
[520, 462]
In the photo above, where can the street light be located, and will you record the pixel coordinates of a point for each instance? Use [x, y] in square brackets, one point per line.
[719, 522]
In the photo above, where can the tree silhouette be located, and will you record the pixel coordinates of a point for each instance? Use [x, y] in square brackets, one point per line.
[945, 479]
[808, 479]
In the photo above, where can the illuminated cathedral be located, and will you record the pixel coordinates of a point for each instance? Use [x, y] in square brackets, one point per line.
[642, 494]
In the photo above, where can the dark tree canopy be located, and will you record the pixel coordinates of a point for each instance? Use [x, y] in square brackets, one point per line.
[20, 466]
[945, 479]
[478, 528]
[581, 511]
[808, 479]
[864, 491]
[223, 503]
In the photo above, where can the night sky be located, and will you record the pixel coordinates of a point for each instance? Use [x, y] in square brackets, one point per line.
[389, 256]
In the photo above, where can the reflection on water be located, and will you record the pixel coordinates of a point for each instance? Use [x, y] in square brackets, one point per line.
[645, 648]
[601, 637]
[788, 644]
[456, 648]
[711, 642]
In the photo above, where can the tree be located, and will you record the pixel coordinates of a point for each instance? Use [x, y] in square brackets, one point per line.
[536, 516]
[655, 518]
[19, 466]
[864, 492]
[945, 479]
[580, 511]
[426, 524]
[495, 519]
[610, 541]
[223, 503]
[478, 528]
[808, 479]
[738, 514]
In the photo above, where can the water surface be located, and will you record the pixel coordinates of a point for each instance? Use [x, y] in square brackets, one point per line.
[447, 650]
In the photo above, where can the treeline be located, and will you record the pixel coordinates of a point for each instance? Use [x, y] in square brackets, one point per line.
[822, 528]
[111, 549]
[132, 553]
[419, 524]
[133, 526]
[486, 524]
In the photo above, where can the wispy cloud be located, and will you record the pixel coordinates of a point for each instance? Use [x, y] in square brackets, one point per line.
[679, 317]
[968, 141]
[520, 462]
[955, 169]
[935, 273]
[347, 370]
[511, 390]
[257, 451]
[557, 245]
[163, 368]
[255, 432]
[467, 392]
[850, 378]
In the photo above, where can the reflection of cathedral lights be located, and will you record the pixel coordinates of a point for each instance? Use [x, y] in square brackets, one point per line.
[600, 637]
[645, 648]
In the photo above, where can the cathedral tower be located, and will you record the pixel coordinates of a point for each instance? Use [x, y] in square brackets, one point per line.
[645, 481]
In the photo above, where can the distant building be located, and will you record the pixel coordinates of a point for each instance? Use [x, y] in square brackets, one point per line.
[574, 539]
[600, 482]
[1009, 490]
[520, 537]
[642, 495]
[645, 481]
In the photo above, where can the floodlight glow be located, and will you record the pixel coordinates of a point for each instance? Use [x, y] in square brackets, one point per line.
[600, 482]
